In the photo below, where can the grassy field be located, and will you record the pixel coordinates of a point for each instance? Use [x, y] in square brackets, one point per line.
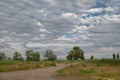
[105, 69]
[6, 65]
[12, 65]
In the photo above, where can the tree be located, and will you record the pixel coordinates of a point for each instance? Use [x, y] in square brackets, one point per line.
[114, 56]
[32, 56]
[75, 54]
[49, 55]
[92, 57]
[29, 55]
[36, 56]
[17, 56]
[118, 56]
[70, 55]
[2, 55]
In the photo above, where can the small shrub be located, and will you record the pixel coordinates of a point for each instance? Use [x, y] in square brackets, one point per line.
[86, 72]
[60, 73]
[52, 64]
[92, 57]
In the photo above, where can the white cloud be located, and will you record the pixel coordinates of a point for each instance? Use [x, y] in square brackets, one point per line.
[79, 28]
[41, 11]
[108, 49]
[44, 30]
[38, 23]
[84, 37]
[64, 38]
[113, 18]
[99, 10]
[17, 47]
[68, 15]
[109, 9]
[95, 10]
[48, 45]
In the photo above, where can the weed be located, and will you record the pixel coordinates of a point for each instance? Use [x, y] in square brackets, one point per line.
[60, 73]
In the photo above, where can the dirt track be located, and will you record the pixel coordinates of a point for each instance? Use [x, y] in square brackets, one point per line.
[35, 74]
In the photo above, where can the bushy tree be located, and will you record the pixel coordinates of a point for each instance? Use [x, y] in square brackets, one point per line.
[118, 56]
[50, 55]
[114, 56]
[29, 55]
[17, 56]
[32, 56]
[75, 54]
[2, 55]
[92, 57]
[36, 56]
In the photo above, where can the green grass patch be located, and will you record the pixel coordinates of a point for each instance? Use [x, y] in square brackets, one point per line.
[105, 69]
[10, 65]
[86, 72]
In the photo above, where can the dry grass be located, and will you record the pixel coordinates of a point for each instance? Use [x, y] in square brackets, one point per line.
[11, 65]
[92, 71]
[6, 66]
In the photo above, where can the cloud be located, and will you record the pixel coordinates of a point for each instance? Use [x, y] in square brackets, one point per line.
[38, 23]
[44, 30]
[95, 10]
[79, 28]
[68, 15]
[64, 38]
[48, 45]
[99, 10]
[59, 25]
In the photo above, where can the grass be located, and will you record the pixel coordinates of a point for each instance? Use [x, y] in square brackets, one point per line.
[105, 69]
[12, 65]
[9, 65]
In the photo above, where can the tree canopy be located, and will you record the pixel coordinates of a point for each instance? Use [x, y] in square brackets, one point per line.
[32, 56]
[2, 55]
[17, 56]
[75, 54]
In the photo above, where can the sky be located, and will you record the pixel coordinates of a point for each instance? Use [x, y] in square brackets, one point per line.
[94, 25]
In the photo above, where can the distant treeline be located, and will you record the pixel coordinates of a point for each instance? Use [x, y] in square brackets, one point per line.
[30, 55]
[75, 54]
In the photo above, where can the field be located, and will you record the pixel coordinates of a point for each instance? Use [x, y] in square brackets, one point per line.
[6, 65]
[105, 69]
[14, 65]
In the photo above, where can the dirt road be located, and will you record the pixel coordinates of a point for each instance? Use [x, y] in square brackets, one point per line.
[35, 74]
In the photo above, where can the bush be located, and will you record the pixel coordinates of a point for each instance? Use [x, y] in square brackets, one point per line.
[17, 56]
[2, 55]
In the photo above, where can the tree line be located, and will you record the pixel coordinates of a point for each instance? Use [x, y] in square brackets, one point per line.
[75, 54]
[114, 56]
[30, 55]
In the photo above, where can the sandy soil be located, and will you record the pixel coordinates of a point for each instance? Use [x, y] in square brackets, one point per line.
[35, 74]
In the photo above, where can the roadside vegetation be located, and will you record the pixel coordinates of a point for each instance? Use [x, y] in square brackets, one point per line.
[92, 69]
[79, 67]
[32, 61]
[12, 65]
[97, 69]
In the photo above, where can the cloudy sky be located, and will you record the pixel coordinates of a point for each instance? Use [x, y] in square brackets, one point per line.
[94, 25]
